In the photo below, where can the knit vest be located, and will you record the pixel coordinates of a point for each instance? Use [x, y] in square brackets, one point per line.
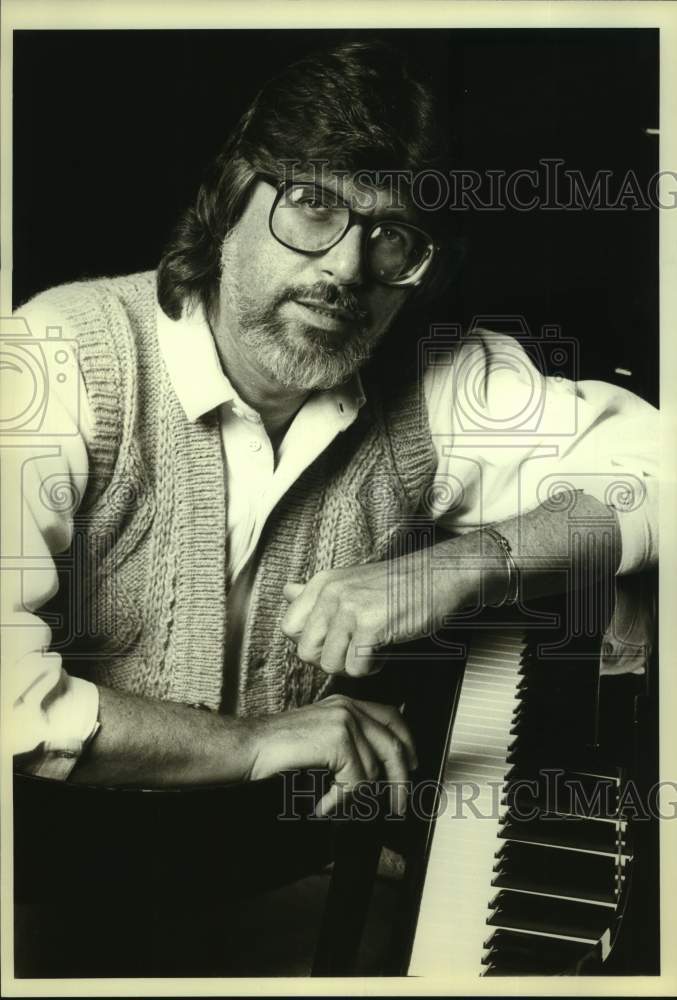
[149, 552]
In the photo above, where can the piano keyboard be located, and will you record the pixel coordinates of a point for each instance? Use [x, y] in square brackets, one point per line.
[505, 894]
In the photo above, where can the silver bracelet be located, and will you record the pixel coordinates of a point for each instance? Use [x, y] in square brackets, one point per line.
[512, 590]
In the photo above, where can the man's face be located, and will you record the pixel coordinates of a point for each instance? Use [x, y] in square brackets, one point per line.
[306, 322]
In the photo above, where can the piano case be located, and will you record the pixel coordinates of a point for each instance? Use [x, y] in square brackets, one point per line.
[530, 847]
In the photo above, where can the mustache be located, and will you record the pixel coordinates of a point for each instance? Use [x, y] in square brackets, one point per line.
[325, 294]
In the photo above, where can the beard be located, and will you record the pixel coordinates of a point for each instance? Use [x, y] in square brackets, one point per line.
[297, 356]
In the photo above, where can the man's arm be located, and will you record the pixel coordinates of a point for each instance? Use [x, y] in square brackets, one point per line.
[49, 715]
[509, 439]
[147, 742]
[140, 740]
[559, 489]
[339, 618]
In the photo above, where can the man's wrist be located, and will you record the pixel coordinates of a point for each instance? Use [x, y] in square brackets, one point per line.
[512, 589]
[476, 570]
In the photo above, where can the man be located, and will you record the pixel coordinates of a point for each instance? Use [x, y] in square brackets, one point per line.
[253, 427]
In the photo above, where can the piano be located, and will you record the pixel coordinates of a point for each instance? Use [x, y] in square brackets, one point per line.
[525, 855]
[528, 856]
[540, 883]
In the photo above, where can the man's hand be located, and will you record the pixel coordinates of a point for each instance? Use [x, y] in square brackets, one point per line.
[356, 740]
[341, 616]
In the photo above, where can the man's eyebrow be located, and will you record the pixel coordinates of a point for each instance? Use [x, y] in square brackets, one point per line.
[363, 202]
[389, 210]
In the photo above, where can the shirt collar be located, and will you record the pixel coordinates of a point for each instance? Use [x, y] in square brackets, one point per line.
[200, 383]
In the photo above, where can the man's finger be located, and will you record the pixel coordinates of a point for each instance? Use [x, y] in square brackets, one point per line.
[301, 605]
[348, 772]
[312, 638]
[291, 591]
[328, 802]
[390, 750]
[389, 717]
[366, 751]
[359, 658]
[336, 642]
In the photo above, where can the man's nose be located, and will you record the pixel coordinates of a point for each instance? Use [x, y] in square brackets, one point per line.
[344, 262]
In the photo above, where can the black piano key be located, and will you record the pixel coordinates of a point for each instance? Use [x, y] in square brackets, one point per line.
[541, 687]
[549, 727]
[528, 769]
[581, 757]
[515, 856]
[522, 911]
[561, 671]
[561, 873]
[579, 834]
[569, 794]
[512, 953]
[547, 702]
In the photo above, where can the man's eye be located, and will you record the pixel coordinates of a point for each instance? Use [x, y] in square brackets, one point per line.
[310, 200]
[313, 203]
[390, 235]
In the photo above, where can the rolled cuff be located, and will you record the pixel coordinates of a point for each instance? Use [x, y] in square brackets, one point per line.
[57, 763]
[639, 543]
[628, 643]
[65, 727]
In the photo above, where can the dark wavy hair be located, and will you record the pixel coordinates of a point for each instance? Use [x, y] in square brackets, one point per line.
[357, 106]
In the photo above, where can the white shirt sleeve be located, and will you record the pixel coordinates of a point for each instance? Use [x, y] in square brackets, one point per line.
[45, 463]
[508, 438]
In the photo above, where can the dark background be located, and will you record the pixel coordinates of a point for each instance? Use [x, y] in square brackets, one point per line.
[113, 129]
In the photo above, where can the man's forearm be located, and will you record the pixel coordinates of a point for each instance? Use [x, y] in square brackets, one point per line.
[144, 741]
[566, 545]
[153, 743]
[341, 616]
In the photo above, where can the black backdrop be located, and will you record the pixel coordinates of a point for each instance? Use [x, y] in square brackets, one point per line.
[112, 130]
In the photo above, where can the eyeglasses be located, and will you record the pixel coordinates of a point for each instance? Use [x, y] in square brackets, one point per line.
[311, 219]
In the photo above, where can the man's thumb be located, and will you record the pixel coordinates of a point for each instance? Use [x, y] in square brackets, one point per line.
[291, 591]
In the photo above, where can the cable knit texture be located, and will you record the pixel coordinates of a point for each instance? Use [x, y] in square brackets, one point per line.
[150, 532]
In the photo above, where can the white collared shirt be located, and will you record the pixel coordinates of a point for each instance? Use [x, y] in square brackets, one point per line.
[256, 477]
[503, 434]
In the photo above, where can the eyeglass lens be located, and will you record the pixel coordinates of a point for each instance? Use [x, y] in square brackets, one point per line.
[308, 219]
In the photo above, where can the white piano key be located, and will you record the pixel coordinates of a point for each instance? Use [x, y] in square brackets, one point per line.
[463, 848]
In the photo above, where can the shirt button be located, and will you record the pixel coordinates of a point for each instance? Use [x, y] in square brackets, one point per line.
[254, 445]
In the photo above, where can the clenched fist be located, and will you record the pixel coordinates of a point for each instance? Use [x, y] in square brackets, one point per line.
[341, 616]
